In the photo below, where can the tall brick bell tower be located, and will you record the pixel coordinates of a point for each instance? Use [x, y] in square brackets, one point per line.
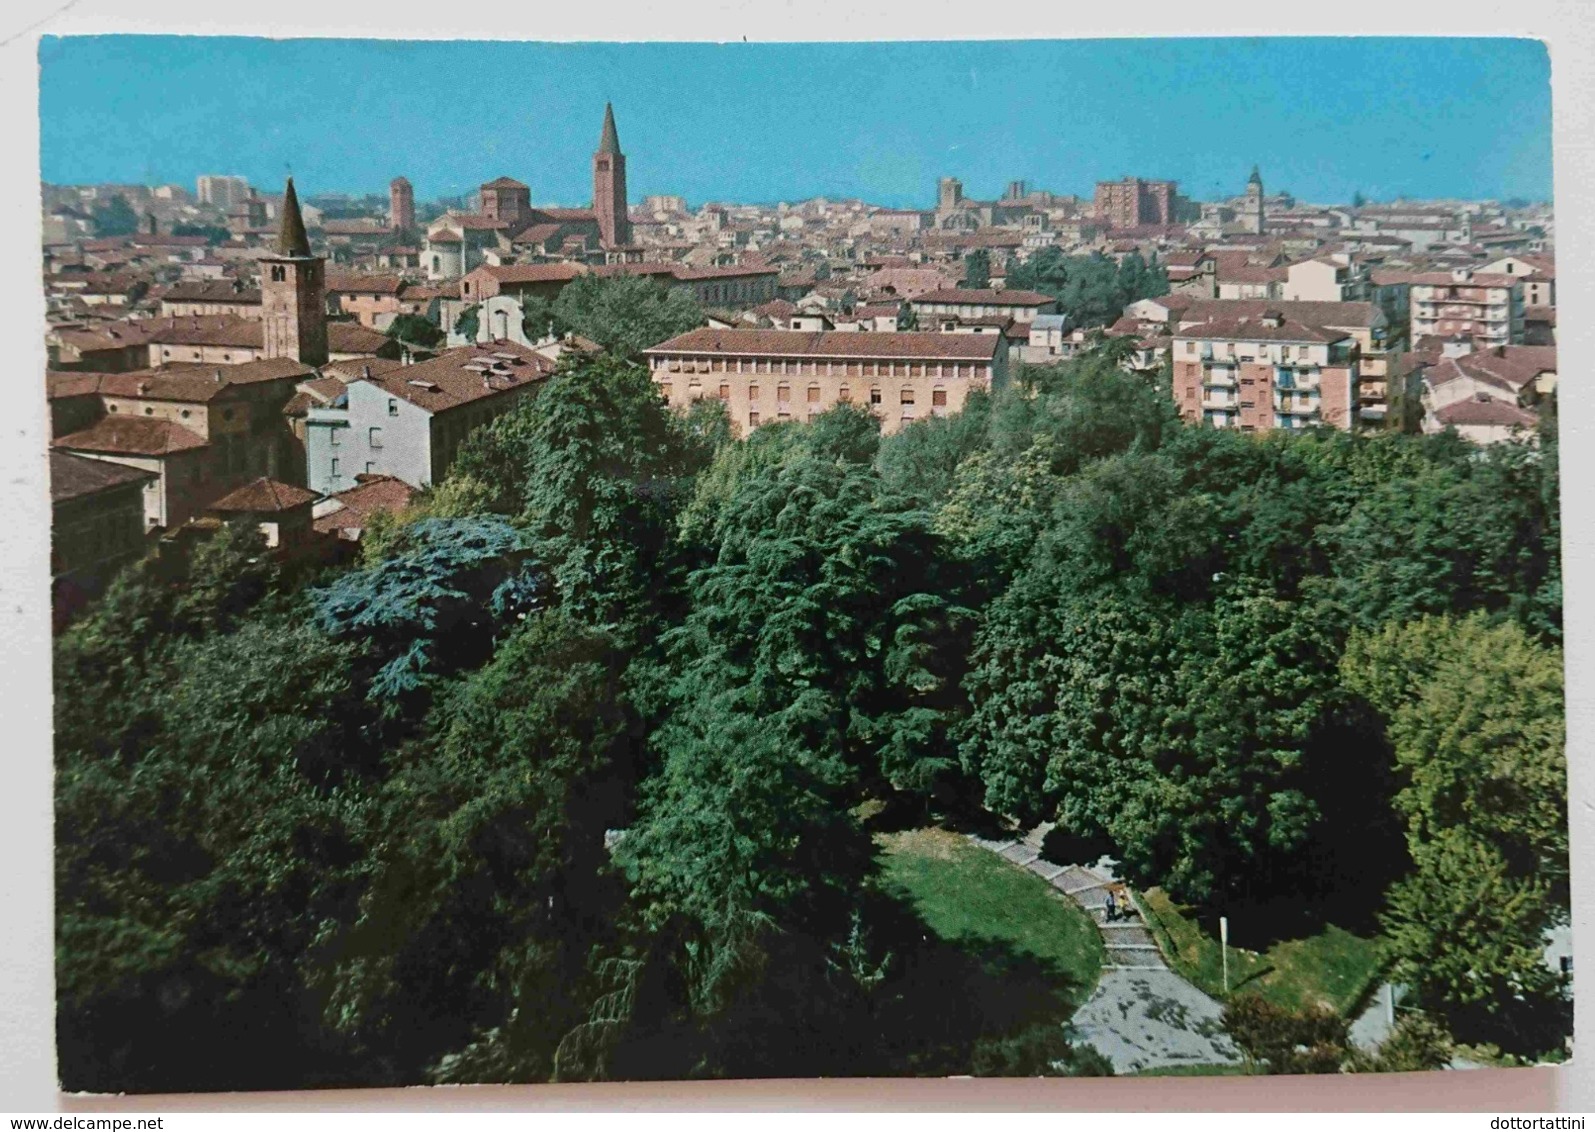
[293, 286]
[609, 186]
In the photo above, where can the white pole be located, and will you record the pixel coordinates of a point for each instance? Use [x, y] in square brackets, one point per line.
[1223, 948]
[1390, 1003]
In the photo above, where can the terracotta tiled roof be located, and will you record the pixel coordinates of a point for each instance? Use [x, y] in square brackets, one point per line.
[503, 183]
[986, 297]
[1486, 410]
[352, 369]
[538, 234]
[1341, 316]
[465, 375]
[371, 494]
[206, 330]
[533, 272]
[701, 274]
[567, 214]
[73, 476]
[249, 334]
[132, 436]
[355, 226]
[832, 344]
[65, 383]
[266, 496]
[364, 284]
[1475, 279]
[212, 290]
[198, 382]
[1255, 330]
[352, 338]
[1508, 368]
[160, 241]
[324, 390]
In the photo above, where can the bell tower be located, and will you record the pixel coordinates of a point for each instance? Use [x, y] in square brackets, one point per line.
[1254, 203]
[609, 186]
[293, 286]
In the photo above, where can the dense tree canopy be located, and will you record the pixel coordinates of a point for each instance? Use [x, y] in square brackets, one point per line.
[1092, 290]
[623, 313]
[1474, 713]
[574, 772]
[115, 218]
[416, 329]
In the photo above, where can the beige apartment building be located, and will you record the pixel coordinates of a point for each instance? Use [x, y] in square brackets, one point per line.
[966, 304]
[1485, 307]
[1267, 372]
[777, 375]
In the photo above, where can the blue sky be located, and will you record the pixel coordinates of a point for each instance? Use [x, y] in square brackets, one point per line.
[763, 122]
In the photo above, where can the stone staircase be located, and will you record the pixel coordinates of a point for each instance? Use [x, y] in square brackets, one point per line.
[1143, 1014]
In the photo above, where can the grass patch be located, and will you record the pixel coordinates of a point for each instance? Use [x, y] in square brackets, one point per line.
[975, 900]
[1332, 968]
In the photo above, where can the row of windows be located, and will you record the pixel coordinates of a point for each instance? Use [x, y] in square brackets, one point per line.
[149, 411]
[166, 352]
[1301, 352]
[783, 415]
[816, 368]
[783, 394]
[337, 466]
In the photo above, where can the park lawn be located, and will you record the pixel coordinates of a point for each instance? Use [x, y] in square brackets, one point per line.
[1333, 968]
[970, 897]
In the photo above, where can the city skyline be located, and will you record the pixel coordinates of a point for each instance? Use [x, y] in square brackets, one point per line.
[1058, 114]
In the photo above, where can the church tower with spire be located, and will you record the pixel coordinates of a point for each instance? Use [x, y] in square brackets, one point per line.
[293, 289]
[1252, 211]
[609, 186]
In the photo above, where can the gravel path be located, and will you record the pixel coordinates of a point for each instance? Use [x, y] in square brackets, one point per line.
[1142, 1015]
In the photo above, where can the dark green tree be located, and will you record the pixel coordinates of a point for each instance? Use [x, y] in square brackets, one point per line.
[977, 269]
[594, 470]
[116, 218]
[467, 960]
[624, 313]
[198, 867]
[416, 329]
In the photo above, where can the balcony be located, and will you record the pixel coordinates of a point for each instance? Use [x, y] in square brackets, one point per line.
[1220, 379]
[1296, 406]
[1219, 401]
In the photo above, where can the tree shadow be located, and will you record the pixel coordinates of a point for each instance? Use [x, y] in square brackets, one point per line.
[1064, 847]
[950, 1002]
